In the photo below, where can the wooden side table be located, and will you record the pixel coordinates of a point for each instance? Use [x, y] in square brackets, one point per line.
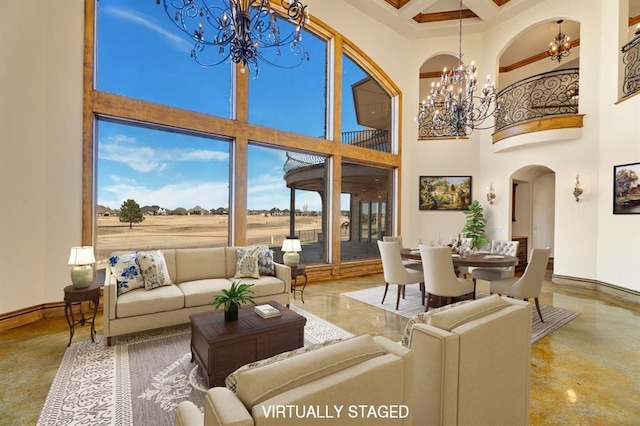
[78, 295]
[298, 271]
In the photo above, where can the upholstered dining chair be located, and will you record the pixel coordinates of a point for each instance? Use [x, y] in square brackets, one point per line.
[501, 247]
[439, 277]
[408, 263]
[530, 284]
[394, 271]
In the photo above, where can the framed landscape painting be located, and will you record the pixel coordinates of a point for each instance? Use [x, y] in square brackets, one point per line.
[444, 192]
[626, 189]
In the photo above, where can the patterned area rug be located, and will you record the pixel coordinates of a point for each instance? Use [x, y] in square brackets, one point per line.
[139, 380]
[411, 305]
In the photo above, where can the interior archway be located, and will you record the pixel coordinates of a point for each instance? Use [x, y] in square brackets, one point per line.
[533, 207]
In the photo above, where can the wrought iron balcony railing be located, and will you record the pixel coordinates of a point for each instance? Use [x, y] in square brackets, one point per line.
[375, 139]
[631, 60]
[550, 93]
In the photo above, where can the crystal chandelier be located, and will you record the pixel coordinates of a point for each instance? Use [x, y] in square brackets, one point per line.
[560, 46]
[244, 31]
[451, 108]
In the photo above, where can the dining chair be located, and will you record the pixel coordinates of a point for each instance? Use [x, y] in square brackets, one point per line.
[439, 276]
[408, 263]
[395, 272]
[499, 247]
[530, 284]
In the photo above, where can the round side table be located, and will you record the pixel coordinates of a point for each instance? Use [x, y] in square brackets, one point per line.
[298, 271]
[78, 295]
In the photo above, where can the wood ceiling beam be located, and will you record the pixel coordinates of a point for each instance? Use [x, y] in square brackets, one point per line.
[531, 59]
[423, 18]
[398, 3]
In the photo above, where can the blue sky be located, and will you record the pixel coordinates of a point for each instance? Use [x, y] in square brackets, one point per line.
[142, 54]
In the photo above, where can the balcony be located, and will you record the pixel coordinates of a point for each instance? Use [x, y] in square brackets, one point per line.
[547, 101]
[631, 61]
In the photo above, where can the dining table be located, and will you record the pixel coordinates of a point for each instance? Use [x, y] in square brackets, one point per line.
[477, 260]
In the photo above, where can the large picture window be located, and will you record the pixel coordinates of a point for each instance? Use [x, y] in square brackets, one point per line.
[210, 155]
[179, 181]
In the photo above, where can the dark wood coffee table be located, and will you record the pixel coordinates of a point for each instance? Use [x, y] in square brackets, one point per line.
[221, 347]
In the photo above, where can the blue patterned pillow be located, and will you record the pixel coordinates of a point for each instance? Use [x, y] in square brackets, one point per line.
[265, 261]
[127, 272]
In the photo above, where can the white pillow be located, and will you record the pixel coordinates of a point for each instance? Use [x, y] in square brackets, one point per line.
[127, 272]
[247, 262]
[154, 269]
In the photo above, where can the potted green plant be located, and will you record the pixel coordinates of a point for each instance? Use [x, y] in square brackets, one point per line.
[232, 298]
[474, 228]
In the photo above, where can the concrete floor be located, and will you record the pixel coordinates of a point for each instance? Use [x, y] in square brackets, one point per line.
[585, 373]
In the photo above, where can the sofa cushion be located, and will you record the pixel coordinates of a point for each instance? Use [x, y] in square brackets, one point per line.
[200, 263]
[247, 262]
[125, 268]
[256, 385]
[452, 318]
[265, 285]
[142, 302]
[202, 292]
[154, 269]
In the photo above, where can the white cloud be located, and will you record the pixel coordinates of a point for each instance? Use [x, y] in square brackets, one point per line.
[145, 159]
[179, 43]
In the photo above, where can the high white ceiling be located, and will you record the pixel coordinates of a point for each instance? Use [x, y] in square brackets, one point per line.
[441, 17]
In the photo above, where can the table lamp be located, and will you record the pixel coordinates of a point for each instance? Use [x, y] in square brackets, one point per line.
[82, 260]
[291, 247]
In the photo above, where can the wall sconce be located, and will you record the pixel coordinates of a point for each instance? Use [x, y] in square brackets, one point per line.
[291, 246]
[577, 190]
[491, 194]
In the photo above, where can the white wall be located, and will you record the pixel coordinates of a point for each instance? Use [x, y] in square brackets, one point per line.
[40, 153]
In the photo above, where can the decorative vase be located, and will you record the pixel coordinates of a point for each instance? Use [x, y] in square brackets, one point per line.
[231, 314]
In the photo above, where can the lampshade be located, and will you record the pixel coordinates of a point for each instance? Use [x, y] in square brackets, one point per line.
[291, 244]
[81, 256]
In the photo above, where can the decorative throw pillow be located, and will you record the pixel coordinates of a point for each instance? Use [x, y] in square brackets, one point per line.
[247, 263]
[127, 272]
[265, 261]
[154, 269]
[231, 382]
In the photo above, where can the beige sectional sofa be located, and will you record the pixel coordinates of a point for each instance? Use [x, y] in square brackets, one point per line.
[358, 381]
[196, 277]
[463, 364]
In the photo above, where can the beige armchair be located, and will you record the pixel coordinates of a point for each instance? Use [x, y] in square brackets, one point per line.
[439, 276]
[530, 284]
[472, 363]
[361, 371]
[395, 272]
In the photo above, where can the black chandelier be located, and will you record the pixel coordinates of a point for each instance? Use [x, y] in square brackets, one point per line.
[451, 108]
[560, 46]
[244, 31]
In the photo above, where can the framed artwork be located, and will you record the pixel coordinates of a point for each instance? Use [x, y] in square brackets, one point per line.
[626, 189]
[444, 192]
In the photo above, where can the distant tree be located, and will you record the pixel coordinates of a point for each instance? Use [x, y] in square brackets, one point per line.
[130, 212]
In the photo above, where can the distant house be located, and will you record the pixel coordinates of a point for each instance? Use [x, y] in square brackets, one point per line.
[220, 211]
[104, 211]
[150, 210]
[180, 211]
[198, 211]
